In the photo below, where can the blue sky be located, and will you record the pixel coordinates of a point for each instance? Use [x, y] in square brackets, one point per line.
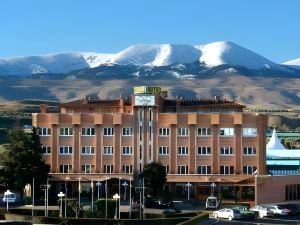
[32, 27]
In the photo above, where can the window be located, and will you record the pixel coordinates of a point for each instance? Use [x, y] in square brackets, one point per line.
[226, 169]
[249, 132]
[65, 168]
[183, 131]
[226, 131]
[65, 131]
[108, 168]
[204, 131]
[65, 150]
[183, 169]
[163, 150]
[203, 150]
[87, 168]
[182, 150]
[249, 150]
[108, 131]
[166, 168]
[87, 150]
[127, 150]
[204, 169]
[43, 131]
[164, 131]
[89, 131]
[108, 150]
[127, 131]
[46, 150]
[249, 169]
[127, 168]
[226, 150]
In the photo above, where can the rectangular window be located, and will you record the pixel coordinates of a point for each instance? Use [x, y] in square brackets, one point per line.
[46, 150]
[226, 151]
[65, 150]
[108, 150]
[204, 150]
[65, 168]
[183, 131]
[183, 169]
[204, 131]
[249, 150]
[108, 168]
[227, 131]
[167, 168]
[164, 131]
[249, 169]
[43, 131]
[88, 131]
[127, 131]
[249, 132]
[127, 168]
[163, 150]
[204, 169]
[127, 150]
[87, 150]
[183, 150]
[108, 131]
[226, 169]
[66, 131]
[87, 168]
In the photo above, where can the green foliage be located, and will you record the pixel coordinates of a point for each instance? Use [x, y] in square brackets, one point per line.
[111, 208]
[155, 177]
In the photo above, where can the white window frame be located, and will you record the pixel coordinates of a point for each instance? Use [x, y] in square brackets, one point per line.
[163, 150]
[67, 150]
[87, 150]
[249, 169]
[126, 150]
[88, 131]
[65, 131]
[183, 131]
[66, 168]
[164, 131]
[183, 150]
[108, 150]
[180, 167]
[108, 168]
[127, 131]
[226, 132]
[204, 169]
[44, 131]
[127, 169]
[204, 131]
[249, 132]
[225, 149]
[228, 168]
[108, 131]
[87, 168]
[250, 150]
[46, 150]
[203, 150]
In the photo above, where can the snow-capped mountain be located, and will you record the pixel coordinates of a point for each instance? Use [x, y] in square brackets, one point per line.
[294, 62]
[211, 55]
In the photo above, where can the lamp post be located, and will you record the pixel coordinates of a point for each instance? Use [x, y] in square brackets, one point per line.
[125, 184]
[116, 197]
[7, 195]
[60, 195]
[92, 187]
[98, 184]
[212, 188]
[188, 185]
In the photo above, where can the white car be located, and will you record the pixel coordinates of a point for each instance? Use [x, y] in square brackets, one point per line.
[226, 213]
[278, 210]
[9, 197]
[212, 203]
[262, 211]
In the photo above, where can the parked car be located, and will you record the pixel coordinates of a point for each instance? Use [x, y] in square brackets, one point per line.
[245, 212]
[293, 209]
[262, 211]
[171, 211]
[227, 213]
[9, 197]
[278, 210]
[212, 203]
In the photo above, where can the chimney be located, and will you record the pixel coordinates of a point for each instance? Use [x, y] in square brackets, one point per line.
[43, 108]
[121, 104]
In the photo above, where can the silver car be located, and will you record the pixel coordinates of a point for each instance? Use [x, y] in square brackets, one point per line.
[262, 211]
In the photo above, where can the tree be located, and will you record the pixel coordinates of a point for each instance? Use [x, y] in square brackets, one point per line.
[154, 177]
[22, 160]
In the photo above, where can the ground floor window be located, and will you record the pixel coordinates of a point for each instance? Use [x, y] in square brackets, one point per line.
[292, 192]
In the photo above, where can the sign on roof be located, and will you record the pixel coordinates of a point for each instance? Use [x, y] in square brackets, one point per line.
[146, 90]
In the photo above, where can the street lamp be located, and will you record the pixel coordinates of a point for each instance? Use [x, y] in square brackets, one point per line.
[125, 184]
[7, 196]
[116, 196]
[60, 195]
[188, 185]
[98, 184]
[212, 188]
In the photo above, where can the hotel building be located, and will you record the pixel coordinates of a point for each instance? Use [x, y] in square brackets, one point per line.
[199, 141]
